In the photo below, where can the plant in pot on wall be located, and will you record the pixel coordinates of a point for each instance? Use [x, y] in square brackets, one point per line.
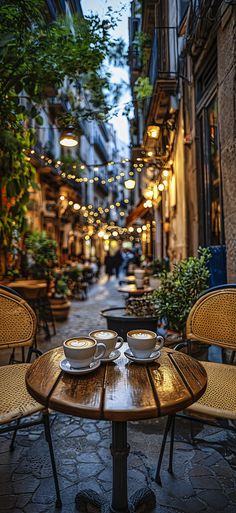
[59, 300]
[179, 290]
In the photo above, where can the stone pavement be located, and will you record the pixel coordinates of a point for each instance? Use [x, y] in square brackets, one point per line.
[204, 477]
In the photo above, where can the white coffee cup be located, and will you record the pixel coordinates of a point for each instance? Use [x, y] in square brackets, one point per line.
[139, 273]
[143, 343]
[139, 283]
[82, 351]
[109, 338]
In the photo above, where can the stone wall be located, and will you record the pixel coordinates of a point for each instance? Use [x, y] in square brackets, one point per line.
[226, 43]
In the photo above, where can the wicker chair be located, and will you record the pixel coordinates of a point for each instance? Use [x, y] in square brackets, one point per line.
[17, 329]
[212, 320]
[17, 323]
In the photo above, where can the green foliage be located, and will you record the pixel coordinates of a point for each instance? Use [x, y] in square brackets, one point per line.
[158, 266]
[180, 288]
[43, 252]
[35, 58]
[61, 288]
[142, 88]
[142, 42]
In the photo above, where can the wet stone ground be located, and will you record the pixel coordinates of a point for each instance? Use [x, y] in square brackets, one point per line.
[204, 473]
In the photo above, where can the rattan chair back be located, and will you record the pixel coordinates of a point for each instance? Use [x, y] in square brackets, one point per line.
[17, 321]
[212, 320]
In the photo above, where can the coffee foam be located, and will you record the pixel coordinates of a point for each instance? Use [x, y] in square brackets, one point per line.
[102, 335]
[141, 335]
[79, 344]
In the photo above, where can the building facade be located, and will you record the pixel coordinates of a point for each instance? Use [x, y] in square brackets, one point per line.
[186, 128]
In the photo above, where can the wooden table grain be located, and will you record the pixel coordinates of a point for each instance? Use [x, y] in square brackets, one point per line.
[119, 391]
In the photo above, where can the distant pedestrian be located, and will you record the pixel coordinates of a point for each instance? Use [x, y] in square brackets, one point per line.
[118, 259]
[109, 265]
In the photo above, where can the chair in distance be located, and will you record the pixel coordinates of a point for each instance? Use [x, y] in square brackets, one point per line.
[211, 321]
[18, 327]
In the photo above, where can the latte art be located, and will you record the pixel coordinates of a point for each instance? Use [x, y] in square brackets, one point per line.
[102, 335]
[79, 344]
[141, 335]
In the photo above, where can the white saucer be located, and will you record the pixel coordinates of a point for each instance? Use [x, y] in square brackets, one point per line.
[112, 356]
[65, 366]
[133, 358]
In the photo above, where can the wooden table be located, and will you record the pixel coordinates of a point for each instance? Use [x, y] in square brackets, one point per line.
[132, 290]
[118, 392]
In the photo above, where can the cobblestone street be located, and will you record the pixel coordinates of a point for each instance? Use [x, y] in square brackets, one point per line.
[204, 474]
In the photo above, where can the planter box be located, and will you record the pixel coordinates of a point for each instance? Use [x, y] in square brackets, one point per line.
[60, 308]
[119, 321]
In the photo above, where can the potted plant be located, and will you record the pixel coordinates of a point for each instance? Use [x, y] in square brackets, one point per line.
[42, 252]
[179, 289]
[59, 301]
[139, 313]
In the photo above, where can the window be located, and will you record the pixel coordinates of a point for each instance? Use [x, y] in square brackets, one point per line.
[210, 208]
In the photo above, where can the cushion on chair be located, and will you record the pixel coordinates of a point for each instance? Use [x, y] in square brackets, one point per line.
[219, 399]
[15, 401]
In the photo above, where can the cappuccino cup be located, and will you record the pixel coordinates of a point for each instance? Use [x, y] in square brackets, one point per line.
[143, 343]
[139, 273]
[82, 351]
[109, 338]
[139, 283]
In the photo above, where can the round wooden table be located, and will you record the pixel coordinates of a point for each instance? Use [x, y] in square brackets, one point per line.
[132, 290]
[118, 392]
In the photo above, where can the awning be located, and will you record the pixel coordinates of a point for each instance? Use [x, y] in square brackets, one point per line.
[137, 212]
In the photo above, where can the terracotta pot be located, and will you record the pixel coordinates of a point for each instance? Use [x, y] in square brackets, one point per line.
[60, 308]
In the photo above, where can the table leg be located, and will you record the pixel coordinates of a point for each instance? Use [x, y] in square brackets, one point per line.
[88, 501]
[142, 500]
[120, 451]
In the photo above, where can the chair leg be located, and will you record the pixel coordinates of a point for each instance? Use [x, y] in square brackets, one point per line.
[11, 360]
[167, 428]
[12, 446]
[49, 441]
[170, 467]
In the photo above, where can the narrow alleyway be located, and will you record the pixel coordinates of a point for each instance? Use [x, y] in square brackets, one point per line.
[206, 482]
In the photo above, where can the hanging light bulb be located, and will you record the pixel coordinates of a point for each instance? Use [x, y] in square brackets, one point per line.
[130, 184]
[68, 138]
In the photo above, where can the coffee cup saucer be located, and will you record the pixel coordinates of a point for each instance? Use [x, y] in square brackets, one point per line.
[112, 356]
[128, 353]
[66, 367]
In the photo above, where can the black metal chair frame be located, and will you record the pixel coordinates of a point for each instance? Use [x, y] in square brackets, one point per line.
[170, 423]
[45, 421]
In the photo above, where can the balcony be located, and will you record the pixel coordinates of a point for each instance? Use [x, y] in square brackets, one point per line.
[101, 148]
[162, 74]
[59, 104]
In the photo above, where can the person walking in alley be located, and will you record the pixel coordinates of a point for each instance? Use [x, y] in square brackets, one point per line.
[118, 259]
[109, 265]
